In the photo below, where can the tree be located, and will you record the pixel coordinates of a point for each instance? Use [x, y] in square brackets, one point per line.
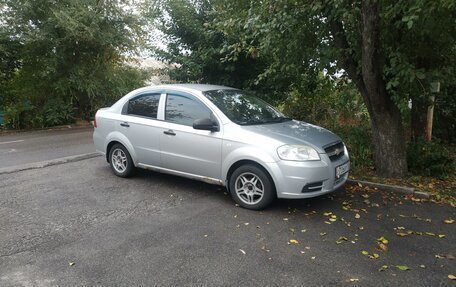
[357, 38]
[72, 50]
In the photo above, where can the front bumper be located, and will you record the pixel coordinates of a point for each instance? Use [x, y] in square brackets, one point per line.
[307, 179]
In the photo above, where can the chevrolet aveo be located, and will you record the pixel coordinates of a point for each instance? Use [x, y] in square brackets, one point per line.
[223, 136]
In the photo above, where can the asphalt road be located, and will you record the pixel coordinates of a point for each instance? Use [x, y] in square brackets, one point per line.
[29, 147]
[76, 224]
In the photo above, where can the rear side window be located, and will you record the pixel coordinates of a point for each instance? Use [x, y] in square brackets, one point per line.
[144, 105]
[183, 110]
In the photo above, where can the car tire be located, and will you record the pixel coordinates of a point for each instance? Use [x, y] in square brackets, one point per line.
[252, 187]
[120, 161]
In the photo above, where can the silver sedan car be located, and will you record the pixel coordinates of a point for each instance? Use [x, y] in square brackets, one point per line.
[223, 136]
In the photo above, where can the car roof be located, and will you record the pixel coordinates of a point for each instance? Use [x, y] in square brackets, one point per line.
[198, 87]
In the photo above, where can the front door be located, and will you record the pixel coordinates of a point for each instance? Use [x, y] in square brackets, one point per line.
[184, 149]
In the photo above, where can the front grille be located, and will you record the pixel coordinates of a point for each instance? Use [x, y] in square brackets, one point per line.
[312, 187]
[335, 151]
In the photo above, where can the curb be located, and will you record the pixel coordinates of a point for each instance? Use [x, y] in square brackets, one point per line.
[56, 128]
[41, 164]
[393, 188]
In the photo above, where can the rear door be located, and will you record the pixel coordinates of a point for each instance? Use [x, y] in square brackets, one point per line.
[184, 149]
[140, 125]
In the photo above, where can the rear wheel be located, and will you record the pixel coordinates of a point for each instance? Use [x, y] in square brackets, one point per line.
[251, 187]
[120, 161]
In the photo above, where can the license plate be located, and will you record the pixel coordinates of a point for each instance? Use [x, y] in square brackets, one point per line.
[342, 169]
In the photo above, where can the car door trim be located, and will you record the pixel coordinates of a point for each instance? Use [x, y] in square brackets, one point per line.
[183, 174]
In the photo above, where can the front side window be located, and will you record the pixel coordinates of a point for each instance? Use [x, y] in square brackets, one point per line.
[183, 110]
[144, 105]
[243, 108]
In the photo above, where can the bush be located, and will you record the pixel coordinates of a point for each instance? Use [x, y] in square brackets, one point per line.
[18, 115]
[429, 158]
[358, 140]
[22, 115]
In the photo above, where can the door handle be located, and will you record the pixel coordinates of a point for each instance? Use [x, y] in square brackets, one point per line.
[125, 124]
[169, 132]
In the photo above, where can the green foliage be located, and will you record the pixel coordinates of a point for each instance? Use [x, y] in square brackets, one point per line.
[18, 115]
[72, 50]
[359, 144]
[429, 159]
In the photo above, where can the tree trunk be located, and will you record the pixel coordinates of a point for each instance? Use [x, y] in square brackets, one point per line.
[386, 121]
[388, 135]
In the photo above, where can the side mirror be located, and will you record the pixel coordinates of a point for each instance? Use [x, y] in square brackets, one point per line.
[205, 124]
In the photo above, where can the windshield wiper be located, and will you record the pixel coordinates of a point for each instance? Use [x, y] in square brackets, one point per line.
[279, 120]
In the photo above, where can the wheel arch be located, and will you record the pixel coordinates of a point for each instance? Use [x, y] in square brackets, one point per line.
[242, 162]
[119, 138]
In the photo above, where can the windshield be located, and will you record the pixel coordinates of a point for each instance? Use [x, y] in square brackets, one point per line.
[244, 109]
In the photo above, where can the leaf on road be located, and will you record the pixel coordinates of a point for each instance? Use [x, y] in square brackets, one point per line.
[354, 279]
[71, 263]
[383, 268]
[402, 234]
[364, 252]
[423, 266]
[313, 257]
[402, 267]
[264, 248]
[357, 216]
[382, 246]
[242, 251]
[285, 219]
[452, 277]
[448, 221]
[294, 241]
[441, 235]
[322, 233]
[327, 213]
[382, 240]
[341, 239]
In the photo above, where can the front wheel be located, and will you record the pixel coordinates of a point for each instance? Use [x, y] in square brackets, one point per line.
[251, 187]
[120, 161]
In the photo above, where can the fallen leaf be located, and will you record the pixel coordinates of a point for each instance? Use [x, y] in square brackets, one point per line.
[357, 216]
[382, 240]
[322, 233]
[383, 268]
[341, 239]
[264, 248]
[327, 213]
[71, 263]
[205, 235]
[365, 252]
[327, 222]
[242, 251]
[313, 257]
[285, 219]
[451, 277]
[448, 221]
[423, 266]
[382, 247]
[292, 229]
[402, 267]
[303, 230]
[402, 234]
[354, 279]
[246, 223]
[441, 235]
[294, 241]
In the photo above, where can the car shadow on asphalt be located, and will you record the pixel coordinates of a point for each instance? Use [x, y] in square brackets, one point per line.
[199, 188]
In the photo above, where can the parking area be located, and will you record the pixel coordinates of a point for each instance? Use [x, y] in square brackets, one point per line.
[76, 224]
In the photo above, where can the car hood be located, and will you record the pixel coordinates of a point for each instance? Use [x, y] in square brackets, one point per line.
[296, 132]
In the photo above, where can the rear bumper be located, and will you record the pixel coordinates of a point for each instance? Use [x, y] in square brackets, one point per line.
[308, 179]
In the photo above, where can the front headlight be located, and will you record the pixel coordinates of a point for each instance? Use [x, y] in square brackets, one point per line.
[297, 153]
